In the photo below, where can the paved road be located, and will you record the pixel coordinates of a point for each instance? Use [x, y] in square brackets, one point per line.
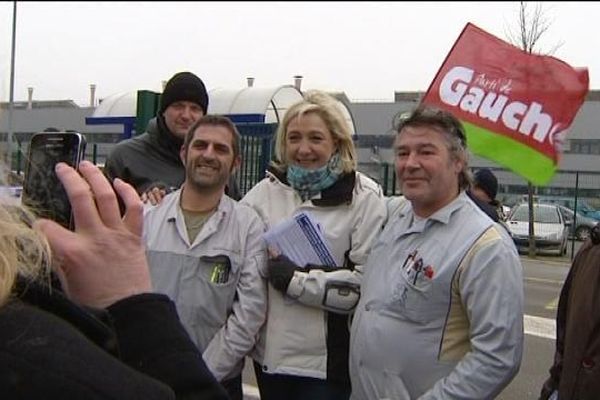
[543, 279]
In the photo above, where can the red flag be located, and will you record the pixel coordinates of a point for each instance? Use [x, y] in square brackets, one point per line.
[516, 106]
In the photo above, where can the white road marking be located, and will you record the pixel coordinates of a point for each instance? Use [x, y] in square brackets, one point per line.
[542, 280]
[553, 305]
[250, 391]
[540, 327]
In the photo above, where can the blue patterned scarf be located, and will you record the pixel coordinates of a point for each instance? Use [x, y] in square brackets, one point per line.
[309, 182]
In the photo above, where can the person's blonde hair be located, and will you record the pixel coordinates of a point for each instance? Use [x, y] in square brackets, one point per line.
[326, 107]
[23, 251]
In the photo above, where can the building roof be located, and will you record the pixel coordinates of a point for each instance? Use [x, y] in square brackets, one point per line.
[41, 104]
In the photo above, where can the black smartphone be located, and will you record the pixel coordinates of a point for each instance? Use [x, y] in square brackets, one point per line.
[42, 192]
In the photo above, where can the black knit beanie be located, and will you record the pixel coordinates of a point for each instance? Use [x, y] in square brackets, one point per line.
[184, 86]
[486, 181]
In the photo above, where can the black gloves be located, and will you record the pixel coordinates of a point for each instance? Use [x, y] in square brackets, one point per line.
[281, 271]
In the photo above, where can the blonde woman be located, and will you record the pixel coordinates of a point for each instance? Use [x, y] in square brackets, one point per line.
[54, 346]
[302, 351]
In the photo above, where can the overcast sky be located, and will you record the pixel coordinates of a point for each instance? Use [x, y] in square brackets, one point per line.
[367, 49]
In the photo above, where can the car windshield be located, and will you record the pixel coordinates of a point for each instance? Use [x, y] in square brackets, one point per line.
[546, 215]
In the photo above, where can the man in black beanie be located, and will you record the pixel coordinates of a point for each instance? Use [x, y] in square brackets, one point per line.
[182, 87]
[150, 162]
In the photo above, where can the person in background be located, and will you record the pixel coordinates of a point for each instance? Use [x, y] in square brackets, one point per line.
[206, 252]
[150, 162]
[302, 351]
[575, 372]
[484, 192]
[441, 310]
[107, 336]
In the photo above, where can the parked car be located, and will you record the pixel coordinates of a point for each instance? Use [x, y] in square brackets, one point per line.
[583, 207]
[581, 229]
[551, 230]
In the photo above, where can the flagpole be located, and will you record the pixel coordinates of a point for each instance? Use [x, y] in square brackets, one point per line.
[9, 140]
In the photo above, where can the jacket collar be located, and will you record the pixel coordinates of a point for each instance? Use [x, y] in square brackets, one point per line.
[443, 214]
[340, 192]
[174, 215]
[167, 143]
[174, 203]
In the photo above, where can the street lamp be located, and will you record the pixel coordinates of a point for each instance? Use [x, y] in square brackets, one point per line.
[9, 140]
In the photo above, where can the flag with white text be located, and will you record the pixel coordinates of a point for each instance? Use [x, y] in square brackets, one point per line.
[515, 106]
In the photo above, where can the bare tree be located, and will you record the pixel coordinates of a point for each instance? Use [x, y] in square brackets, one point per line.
[532, 26]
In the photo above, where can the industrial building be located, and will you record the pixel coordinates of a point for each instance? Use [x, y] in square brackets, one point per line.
[579, 168]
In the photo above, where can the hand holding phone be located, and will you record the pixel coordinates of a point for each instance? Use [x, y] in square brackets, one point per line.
[103, 260]
[42, 190]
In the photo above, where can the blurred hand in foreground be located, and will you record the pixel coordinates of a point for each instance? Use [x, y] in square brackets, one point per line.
[103, 260]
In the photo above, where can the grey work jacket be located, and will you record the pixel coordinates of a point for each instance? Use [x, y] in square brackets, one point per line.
[218, 281]
[441, 312]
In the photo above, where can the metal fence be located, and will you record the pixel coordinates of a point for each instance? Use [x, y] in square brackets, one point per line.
[569, 191]
[574, 190]
[98, 147]
[256, 151]
[567, 187]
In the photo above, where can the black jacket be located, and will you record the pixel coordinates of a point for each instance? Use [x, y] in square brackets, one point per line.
[575, 372]
[485, 207]
[137, 349]
[152, 159]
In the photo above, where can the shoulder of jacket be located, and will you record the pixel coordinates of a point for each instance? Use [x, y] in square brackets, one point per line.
[491, 234]
[244, 210]
[119, 148]
[161, 209]
[395, 204]
[270, 183]
[363, 182]
[131, 143]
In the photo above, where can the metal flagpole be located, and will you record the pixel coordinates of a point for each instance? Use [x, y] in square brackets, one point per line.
[9, 140]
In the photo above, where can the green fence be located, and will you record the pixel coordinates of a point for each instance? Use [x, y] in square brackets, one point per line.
[575, 189]
[256, 151]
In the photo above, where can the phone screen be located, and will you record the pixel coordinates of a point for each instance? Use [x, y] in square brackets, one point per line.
[42, 191]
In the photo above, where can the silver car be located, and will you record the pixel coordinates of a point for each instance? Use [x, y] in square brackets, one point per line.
[581, 228]
[551, 230]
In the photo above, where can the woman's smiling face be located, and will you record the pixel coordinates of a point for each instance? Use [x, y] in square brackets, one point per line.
[309, 143]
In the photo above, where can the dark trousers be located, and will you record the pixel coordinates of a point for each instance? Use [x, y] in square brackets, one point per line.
[290, 387]
[233, 387]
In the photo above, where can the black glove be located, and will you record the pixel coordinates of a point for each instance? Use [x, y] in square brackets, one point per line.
[281, 271]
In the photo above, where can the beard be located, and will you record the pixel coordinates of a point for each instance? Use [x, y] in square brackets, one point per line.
[214, 177]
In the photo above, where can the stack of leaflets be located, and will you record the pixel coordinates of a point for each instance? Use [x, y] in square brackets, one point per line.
[300, 239]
